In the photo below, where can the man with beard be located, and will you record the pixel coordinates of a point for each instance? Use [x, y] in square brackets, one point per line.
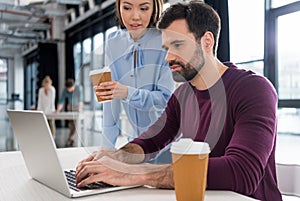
[233, 110]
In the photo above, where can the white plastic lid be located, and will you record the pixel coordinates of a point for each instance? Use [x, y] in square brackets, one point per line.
[188, 146]
[102, 70]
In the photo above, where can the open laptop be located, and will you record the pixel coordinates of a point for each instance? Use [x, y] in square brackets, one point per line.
[38, 148]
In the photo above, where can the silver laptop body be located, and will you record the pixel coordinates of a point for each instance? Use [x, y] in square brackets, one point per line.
[38, 148]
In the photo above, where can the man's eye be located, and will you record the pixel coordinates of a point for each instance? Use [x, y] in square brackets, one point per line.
[177, 45]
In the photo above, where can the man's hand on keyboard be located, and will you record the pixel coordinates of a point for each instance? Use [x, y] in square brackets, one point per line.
[105, 170]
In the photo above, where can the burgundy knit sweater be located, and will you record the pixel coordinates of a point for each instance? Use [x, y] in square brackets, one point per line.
[237, 117]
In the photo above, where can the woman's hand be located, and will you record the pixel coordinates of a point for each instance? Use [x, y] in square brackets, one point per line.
[114, 90]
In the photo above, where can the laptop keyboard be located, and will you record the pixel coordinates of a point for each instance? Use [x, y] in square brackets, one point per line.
[70, 175]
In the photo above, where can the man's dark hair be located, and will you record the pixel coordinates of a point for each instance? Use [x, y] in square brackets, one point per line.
[69, 83]
[199, 16]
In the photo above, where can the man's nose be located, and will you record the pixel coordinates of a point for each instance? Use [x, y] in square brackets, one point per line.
[170, 56]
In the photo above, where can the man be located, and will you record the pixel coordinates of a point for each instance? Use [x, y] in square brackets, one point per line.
[232, 109]
[73, 94]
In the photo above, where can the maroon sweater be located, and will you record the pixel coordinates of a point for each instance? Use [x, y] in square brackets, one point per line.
[237, 117]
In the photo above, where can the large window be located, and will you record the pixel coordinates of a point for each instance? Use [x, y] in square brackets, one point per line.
[3, 81]
[98, 51]
[278, 3]
[264, 38]
[283, 50]
[77, 58]
[31, 75]
[288, 56]
[247, 34]
[87, 48]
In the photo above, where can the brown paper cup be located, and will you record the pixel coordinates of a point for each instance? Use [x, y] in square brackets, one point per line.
[190, 173]
[99, 76]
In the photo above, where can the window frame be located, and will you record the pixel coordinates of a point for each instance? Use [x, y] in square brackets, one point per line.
[271, 46]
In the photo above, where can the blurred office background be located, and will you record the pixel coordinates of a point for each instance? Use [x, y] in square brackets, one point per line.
[66, 39]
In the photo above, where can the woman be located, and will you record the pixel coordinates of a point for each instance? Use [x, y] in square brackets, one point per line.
[142, 81]
[46, 100]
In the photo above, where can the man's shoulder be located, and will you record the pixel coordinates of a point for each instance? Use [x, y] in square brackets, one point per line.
[238, 75]
[241, 81]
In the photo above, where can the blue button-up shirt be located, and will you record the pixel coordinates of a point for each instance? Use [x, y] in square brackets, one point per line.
[148, 78]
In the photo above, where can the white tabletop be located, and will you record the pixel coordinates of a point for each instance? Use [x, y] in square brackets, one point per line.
[16, 184]
[63, 115]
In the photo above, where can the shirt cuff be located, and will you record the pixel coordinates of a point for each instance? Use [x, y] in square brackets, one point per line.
[131, 91]
[109, 137]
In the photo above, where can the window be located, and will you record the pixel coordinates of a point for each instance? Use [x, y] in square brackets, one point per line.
[278, 3]
[98, 51]
[288, 56]
[31, 76]
[77, 58]
[283, 48]
[87, 48]
[247, 34]
[264, 38]
[3, 81]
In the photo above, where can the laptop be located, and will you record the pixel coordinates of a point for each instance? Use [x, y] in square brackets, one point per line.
[38, 148]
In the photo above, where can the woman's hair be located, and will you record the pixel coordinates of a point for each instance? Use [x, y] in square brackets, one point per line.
[157, 10]
[46, 80]
[199, 16]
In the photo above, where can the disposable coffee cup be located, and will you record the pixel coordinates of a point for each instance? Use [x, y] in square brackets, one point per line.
[190, 161]
[99, 76]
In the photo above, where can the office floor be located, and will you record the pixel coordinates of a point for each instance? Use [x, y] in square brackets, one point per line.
[287, 144]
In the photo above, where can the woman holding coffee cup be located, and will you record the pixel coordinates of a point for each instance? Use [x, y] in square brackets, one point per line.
[141, 79]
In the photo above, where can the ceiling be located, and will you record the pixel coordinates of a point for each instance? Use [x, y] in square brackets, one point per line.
[24, 22]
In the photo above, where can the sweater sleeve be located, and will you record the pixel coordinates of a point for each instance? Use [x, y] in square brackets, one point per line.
[162, 132]
[250, 149]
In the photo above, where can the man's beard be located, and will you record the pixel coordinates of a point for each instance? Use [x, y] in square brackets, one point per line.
[188, 71]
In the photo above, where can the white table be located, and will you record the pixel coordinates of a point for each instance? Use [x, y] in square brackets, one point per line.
[79, 119]
[16, 185]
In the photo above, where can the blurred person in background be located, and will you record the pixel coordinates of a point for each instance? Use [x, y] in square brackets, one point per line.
[46, 100]
[74, 96]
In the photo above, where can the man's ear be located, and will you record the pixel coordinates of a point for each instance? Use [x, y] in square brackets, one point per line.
[208, 40]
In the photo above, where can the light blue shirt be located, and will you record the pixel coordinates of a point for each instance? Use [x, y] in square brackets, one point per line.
[149, 80]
